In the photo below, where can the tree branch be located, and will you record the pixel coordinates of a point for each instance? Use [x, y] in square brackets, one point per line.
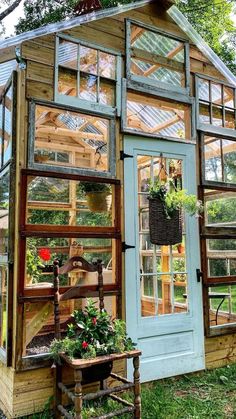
[9, 9]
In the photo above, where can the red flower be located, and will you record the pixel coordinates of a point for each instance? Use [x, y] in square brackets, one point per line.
[84, 345]
[94, 320]
[45, 254]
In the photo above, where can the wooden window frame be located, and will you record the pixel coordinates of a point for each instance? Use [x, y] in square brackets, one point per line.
[46, 294]
[206, 233]
[210, 128]
[137, 88]
[66, 169]
[155, 83]
[83, 104]
[10, 165]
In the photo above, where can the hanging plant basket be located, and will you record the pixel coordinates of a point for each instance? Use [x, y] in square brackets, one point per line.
[164, 231]
[99, 201]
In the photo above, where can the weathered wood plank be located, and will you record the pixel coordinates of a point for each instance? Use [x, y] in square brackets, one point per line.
[36, 52]
[96, 36]
[39, 90]
[40, 72]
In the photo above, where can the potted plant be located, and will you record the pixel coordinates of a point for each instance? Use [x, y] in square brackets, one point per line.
[92, 333]
[165, 212]
[98, 196]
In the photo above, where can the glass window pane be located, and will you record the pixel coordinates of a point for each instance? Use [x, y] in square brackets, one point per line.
[67, 82]
[229, 118]
[217, 116]
[68, 54]
[3, 305]
[88, 87]
[4, 215]
[204, 113]
[229, 97]
[41, 252]
[216, 93]
[158, 116]
[88, 60]
[213, 159]
[107, 93]
[107, 65]
[80, 141]
[1, 132]
[157, 56]
[7, 126]
[38, 322]
[67, 202]
[220, 208]
[220, 253]
[204, 90]
[222, 305]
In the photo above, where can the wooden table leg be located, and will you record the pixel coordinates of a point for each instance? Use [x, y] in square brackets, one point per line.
[78, 394]
[137, 389]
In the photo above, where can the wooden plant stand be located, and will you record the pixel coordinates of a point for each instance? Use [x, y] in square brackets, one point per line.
[77, 396]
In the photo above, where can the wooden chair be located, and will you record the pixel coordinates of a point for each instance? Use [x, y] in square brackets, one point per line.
[85, 370]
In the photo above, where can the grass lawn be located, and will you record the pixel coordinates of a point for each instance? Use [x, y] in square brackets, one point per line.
[210, 395]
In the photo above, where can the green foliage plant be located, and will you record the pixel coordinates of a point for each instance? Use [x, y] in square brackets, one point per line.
[173, 199]
[87, 187]
[93, 333]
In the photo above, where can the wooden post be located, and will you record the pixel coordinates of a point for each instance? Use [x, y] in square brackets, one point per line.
[137, 388]
[78, 394]
[100, 285]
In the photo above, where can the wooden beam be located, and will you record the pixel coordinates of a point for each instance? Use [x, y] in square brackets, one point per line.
[149, 57]
[64, 132]
[170, 54]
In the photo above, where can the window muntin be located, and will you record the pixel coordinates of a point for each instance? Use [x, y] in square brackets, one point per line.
[219, 157]
[156, 57]
[87, 74]
[217, 103]
[62, 138]
[159, 117]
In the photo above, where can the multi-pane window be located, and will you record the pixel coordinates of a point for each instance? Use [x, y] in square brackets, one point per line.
[87, 74]
[218, 231]
[216, 104]
[71, 140]
[156, 58]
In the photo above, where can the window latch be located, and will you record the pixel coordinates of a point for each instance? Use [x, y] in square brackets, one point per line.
[199, 275]
[126, 247]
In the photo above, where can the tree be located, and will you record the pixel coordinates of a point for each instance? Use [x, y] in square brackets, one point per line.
[212, 19]
[11, 5]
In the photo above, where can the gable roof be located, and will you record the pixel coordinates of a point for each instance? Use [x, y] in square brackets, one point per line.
[173, 11]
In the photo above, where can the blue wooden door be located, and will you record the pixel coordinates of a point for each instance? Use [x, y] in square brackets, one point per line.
[163, 298]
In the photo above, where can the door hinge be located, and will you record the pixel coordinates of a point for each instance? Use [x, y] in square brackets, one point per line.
[199, 275]
[123, 155]
[126, 247]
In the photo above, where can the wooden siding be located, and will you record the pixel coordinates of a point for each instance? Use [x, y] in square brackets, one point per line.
[220, 351]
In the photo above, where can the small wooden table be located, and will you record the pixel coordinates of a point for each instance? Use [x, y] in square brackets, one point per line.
[212, 295]
[77, 396]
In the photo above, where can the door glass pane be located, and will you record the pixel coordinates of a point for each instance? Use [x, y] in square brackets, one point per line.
[163, 275]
